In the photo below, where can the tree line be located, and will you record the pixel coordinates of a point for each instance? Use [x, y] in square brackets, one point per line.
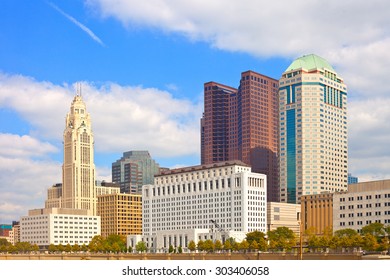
[373, 237]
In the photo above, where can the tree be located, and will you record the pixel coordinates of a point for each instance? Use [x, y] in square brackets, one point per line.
[254, 245]
[282, 238]
[171, 249]
[52, 248]
[369, 242]
[227, 245]
[244, 245]
[96, 244]
[349, 232]
[76, 248]
[117, 243]
[257, 236]
[130, 249]
[4, 241]
[191, 246]
[218, 245]
[200, 246]
[208, 245]
[384, 244]
[313, 241]
[375, 229]
[68, 248]
[35, 248]
[141, 246]
[180, 250]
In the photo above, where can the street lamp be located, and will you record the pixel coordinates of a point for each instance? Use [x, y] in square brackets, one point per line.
[300, 240]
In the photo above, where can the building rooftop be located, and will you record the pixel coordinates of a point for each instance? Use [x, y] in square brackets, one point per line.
[309, 62]
[202, 167]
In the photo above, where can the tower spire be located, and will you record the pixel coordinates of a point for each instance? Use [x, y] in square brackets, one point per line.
[78, 89]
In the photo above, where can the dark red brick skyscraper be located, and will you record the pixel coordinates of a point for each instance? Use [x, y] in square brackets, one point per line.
[243, 124]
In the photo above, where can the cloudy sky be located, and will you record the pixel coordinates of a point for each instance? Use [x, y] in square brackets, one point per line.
[142, 66]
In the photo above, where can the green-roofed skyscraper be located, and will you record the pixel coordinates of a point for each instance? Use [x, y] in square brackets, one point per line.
[313, 149]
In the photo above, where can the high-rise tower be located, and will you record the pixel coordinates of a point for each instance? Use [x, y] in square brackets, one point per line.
[242, 124]
[313, 152]
[133, 170]
[78, 171]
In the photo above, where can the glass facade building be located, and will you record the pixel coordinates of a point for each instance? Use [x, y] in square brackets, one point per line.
[313, 152]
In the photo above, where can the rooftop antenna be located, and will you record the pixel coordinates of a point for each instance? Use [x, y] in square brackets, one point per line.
[78, 89]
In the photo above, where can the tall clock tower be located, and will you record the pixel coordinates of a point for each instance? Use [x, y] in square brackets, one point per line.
[78, 170]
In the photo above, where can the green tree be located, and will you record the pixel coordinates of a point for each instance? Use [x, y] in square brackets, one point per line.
[200, 245]
[254, 245]
[349, 232]
[116, 242]
[68, 248]
[35, 248]
[208, 245]
[369, 242]
[375, 229]
[282, 238]
[141, 247]
[180, 250]
[130, 249]
[76, 248]
[84, 248]
[23, 247]
[257, 236]
[227, 245]
[52, 248]
[218, 245]
[4, 241]
[191, 246]
[171, 249]
[244, 245]
[96, 244]
[60, 248]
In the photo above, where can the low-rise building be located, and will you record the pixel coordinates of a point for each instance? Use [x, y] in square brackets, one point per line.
[280, 214]
[317, 212]
[363, 204]
[58, 226]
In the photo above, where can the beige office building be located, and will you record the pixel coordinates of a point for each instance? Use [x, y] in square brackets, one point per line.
[363, 204]
[283, 215]
[120, 214]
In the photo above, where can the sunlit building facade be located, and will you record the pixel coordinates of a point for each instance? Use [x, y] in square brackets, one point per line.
[313, 151]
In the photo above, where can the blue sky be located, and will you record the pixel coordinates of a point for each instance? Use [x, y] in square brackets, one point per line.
[142, 65]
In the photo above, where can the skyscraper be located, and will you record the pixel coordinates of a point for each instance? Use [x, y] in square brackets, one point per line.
[133, 170]
[78, 171]
[313, 129]
[242, 124]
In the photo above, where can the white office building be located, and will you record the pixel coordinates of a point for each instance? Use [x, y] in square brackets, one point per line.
[214, 201]
[58, 226]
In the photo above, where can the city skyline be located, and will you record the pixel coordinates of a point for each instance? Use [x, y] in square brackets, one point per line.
[142, 68]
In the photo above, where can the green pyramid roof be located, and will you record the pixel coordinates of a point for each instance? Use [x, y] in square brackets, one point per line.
[309, 62]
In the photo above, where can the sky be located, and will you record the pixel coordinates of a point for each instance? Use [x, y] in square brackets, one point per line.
[142, 66]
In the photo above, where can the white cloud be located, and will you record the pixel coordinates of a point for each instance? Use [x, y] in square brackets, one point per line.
[24, 182]
[354, 36]
[259, 27]
[24, 146]
[123, 118]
